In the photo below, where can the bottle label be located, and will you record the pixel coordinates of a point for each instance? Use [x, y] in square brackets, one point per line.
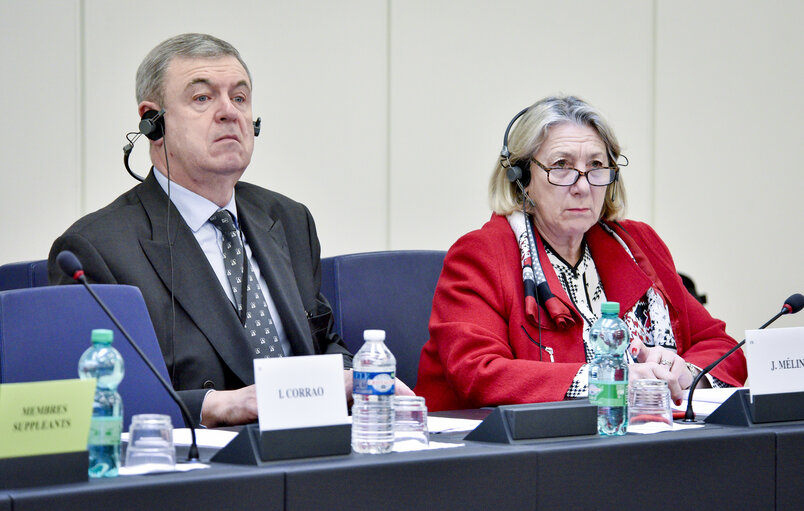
[608, 393]
[105, 430]
[377, 384]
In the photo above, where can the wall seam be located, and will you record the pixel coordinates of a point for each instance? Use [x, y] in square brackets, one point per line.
[81, 110]
[654, 83]
[388, 126]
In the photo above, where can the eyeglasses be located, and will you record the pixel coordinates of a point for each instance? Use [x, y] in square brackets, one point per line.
[568, 176]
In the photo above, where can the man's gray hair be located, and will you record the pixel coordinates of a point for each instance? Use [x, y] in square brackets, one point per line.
[151, 73]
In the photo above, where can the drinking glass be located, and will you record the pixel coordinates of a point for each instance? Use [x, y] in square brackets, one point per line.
[410, 423]
[649, 408]
[150, 443]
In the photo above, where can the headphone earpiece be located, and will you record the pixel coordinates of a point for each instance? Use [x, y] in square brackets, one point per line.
[152, 124]
[520, 172]
[257, 124]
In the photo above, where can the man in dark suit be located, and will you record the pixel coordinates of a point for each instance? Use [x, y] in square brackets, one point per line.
[173, 251]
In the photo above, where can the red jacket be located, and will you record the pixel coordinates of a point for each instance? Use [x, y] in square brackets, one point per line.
[478, 355]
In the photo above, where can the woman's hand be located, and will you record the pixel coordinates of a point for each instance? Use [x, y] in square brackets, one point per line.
[663, 364]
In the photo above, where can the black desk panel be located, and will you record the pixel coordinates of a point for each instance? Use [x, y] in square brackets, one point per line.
[221, 487]
[790, 467]
[462, 478]
[711, 468]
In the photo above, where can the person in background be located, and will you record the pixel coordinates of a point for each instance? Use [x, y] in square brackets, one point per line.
[516, 298]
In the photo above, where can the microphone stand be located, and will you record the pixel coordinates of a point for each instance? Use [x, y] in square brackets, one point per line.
[192, 455]
[689, 415]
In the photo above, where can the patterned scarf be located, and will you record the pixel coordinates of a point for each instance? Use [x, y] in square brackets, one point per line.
[537, 291]
[648, 320]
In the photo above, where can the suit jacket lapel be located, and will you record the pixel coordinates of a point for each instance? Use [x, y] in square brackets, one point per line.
[623, 280]
[194, 284]
[266, 237]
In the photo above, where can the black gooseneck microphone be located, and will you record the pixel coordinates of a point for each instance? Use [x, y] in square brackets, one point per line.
[70, 265]
[793, 304]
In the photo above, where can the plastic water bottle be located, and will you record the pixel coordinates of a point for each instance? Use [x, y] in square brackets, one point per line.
[608, 372]
[372, 391]
[103, 362]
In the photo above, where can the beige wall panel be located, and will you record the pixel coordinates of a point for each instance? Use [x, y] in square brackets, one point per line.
[461, 70]
[729, 181]
[320, 85]
[40, 135]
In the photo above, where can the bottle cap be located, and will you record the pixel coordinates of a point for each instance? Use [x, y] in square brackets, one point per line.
[102, 336]
[373, 335]
[610, 308]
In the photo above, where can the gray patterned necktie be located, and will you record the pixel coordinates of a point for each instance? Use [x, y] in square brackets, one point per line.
[251, 304]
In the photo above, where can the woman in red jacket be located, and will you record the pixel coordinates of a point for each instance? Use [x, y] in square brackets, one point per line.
[492, 343]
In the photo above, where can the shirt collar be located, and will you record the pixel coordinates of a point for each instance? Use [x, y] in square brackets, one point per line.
[560, 262]
[194, 208]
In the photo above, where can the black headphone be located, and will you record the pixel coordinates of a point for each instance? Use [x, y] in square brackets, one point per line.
[152, 124]
[518, 173]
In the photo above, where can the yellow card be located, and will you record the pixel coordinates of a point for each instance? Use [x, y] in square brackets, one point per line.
[45, 417]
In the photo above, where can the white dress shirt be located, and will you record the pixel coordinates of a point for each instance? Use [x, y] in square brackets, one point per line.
[196, 210]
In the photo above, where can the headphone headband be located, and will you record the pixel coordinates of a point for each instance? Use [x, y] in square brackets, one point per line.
[514, 173]
[504, 152]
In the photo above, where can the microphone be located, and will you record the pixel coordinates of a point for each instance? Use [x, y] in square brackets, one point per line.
[525, 196]
[70, 265]
[126, 155]
[793, 304]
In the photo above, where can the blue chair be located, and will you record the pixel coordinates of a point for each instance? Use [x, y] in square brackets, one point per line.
[23, 274]
[44, 331]
[391, 291]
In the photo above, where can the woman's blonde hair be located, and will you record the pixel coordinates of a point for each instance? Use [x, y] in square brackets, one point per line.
[528, 135]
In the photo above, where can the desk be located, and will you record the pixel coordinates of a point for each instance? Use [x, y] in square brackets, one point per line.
[222, 487]
[710, 468]
[789, 467]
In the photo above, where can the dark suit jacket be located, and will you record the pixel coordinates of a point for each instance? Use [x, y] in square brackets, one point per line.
[203, 342]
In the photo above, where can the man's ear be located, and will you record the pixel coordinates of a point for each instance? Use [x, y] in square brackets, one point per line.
[152, 124]
[145, 106]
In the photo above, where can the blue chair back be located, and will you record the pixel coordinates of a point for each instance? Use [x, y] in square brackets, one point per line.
[23, 274]
[391, 291]
[44, 331]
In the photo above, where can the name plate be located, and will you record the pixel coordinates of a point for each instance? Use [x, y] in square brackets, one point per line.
[775, 360]
[300, 392]
[46, 417]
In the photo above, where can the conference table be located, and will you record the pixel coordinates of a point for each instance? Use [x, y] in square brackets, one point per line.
[714, 467]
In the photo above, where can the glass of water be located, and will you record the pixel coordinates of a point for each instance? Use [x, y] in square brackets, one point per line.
[649, 408]
[150, 443]
[410, 423]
